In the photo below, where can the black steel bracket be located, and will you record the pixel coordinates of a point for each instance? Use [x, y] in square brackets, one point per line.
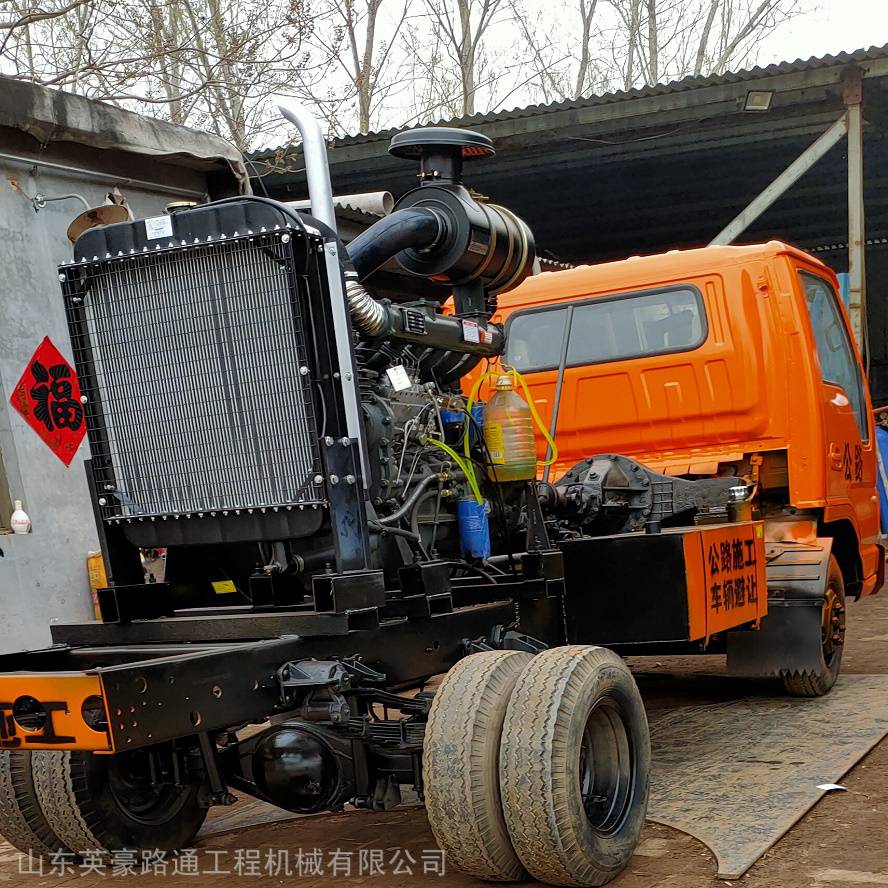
[143, 601]
[338, 593]
[503, 639]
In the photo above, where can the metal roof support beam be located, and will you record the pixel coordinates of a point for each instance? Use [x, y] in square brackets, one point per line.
[783, 182]
[856, 218]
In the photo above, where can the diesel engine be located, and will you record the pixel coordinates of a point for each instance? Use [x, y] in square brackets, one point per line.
[290, 431]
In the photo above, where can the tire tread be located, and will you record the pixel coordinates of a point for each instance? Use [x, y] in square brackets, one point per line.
[539, 801]
[461, 758]
[22, 820]
[55, 777]
[818, 684]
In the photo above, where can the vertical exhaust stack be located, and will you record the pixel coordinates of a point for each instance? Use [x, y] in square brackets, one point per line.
[317, 170]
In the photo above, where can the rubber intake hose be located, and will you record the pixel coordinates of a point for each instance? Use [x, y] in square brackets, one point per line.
[419, 228]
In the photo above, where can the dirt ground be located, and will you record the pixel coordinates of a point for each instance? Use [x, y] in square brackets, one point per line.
[843, 841]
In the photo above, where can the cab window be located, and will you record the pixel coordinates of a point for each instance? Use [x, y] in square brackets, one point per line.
[535, 339]
[612, 328]
[838, 365]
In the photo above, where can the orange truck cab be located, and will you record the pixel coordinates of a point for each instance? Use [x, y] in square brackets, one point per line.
[726, 360]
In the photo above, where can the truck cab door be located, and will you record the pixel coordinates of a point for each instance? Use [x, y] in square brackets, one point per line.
[848, 436]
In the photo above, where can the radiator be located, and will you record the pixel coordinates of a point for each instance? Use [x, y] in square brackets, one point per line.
[200, 392]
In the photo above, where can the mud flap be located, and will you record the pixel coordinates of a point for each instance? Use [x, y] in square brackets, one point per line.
[789, 640]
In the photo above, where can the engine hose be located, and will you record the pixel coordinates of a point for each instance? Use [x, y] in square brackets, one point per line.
[536, 417]
[418, 227]
[528, 397]
[472, 568]
[414, 515]
[368, 315]
[408, 504]
[376, 527]
[465, 465]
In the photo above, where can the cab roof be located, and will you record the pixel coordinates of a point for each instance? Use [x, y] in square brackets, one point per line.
[643, 271]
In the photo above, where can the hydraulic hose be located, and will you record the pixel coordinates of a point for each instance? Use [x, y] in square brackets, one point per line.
[411, 500]
[414, 517]
[417, 227]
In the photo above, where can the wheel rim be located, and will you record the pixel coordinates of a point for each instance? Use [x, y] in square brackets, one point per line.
[833, 624]
[141, 797]
[607, 767]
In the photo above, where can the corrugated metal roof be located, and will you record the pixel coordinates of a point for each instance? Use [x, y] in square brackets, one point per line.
[685, 84]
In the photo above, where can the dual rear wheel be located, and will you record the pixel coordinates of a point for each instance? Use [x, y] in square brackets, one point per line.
[538, 765]
[79, 803]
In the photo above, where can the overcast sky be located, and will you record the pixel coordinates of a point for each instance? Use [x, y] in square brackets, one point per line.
[828, 26]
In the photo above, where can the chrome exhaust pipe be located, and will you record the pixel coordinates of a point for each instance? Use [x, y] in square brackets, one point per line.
[314, 149]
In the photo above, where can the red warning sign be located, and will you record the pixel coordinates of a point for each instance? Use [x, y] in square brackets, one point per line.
[48, 397]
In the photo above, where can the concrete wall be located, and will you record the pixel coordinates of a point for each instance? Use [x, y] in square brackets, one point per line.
[43, 576]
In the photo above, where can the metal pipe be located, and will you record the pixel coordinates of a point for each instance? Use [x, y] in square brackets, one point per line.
[105, 177]
[373, 203]
[783, 182]
[506, 559]
[41, 200]
[314, 149]
[368, 315]
[408, 504]
[856, 222]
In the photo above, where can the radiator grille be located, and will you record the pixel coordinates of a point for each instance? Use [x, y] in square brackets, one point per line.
[199, 403]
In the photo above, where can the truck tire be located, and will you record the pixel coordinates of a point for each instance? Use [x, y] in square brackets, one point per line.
[22, 822]
[574, 766]
[816, 684]
[460, 765]
[105, 803]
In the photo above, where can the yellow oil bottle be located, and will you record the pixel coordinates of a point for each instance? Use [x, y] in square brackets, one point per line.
[508, 434]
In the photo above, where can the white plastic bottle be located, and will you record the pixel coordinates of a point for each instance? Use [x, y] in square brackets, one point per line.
[20, 522]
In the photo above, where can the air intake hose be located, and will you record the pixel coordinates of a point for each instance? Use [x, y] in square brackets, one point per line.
[420, 228]
[368, 315]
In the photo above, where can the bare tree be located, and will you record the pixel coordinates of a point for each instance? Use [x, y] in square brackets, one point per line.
[700, 56]
[214, 64]
[462, 32]
[15, 16]
[587, 14]
[207, 63]
[356, 58]
[667, 39]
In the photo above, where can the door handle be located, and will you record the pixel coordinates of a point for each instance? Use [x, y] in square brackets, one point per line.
[835, 457]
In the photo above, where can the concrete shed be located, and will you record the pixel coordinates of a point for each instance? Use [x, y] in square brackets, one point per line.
[59, 155]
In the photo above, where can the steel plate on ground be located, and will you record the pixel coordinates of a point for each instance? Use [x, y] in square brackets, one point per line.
[738, 774]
